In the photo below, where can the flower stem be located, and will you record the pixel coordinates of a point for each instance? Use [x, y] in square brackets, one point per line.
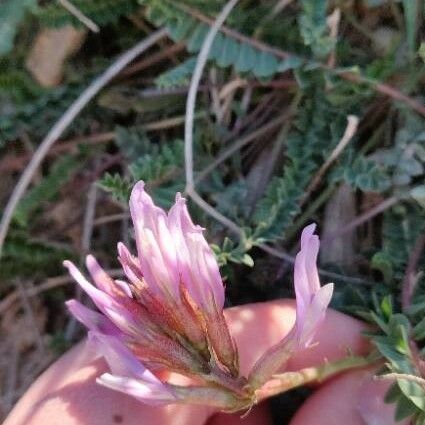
[290, 380]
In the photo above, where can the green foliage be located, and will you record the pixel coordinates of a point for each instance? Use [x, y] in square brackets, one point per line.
[177, 76]
[26, 257]
[17, 84]
[102, 12]
[46, 189]
[401, 227]
[386, 156]
[392, 341]
[12, 13]
[119, 187]
[307, 148]
[24, 116]
[362, 173]
[229, 252]
[226, 51]
[160, 166]
[406, 159]
[313, 27]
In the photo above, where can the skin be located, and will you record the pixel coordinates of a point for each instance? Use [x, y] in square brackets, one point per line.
[68, 394]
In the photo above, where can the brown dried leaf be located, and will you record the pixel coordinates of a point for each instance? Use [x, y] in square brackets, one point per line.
[49, 52]
[340, 210]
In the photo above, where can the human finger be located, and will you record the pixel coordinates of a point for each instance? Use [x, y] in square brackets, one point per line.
[256, 327]
[68, 389]
[352, 399]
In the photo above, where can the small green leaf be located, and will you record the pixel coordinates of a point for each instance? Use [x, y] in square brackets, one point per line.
[248, 260]
[387, 306]
[404, 409]
[247, 59]
[413, 391]
[181, 29]
[178, 76]
[229, 51]
[267, 65]
[382, 262]
[216, 48]
[195, 42]
[291, 62]
[393, 394]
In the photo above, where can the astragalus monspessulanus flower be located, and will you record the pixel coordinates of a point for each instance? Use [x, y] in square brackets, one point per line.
[168, 314]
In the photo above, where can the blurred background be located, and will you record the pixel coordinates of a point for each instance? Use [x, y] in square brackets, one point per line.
[307, 111]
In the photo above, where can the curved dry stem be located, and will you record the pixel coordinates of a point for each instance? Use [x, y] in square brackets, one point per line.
[65, 121]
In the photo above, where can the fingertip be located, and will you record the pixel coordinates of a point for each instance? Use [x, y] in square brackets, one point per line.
[352, 399]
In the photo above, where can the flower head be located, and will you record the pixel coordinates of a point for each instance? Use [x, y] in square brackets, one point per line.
[312, 300]
[167, 313]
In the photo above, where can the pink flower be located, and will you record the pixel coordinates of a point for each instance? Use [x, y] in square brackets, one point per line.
[312, 301]
[168, 313]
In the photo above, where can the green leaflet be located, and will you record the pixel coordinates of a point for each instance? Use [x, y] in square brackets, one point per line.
[226, 51]
[306, 147]
[177, 76]
[393, 344]
[313, 27]
[23, 256]
[47, 189]
[159, 165]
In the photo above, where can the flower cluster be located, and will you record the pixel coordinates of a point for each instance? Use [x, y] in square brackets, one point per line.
[168, 313]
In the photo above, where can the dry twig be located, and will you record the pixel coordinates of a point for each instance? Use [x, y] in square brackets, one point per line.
[65, 121]
[73, 10]
[190, 182]
[379, 87]
[193, 89]
[350, 130]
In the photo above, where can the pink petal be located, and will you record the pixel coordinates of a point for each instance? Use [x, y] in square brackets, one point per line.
[130, 264]
[132, 377]
[100, 298]
[120, 359]
[310, 245]
[124, 287]
[105, 303]
[102, 280]
[311, 299]
[315, 314]
[142, 391]
[92, 320]
[196, 261]
[156, 250]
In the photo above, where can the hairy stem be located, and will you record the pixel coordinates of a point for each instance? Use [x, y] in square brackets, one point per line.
[290, 380]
